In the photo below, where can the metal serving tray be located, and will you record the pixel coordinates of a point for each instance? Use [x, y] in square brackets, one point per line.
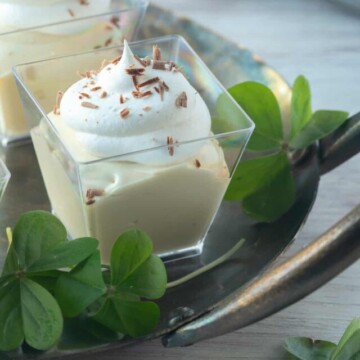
[240, 291]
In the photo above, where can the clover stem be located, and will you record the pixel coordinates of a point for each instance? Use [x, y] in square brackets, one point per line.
[207, 267]
[9, 235]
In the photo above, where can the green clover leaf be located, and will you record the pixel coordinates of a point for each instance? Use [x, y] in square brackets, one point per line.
[302, 348]
[28, 311]
[135, 272]
[260, 104]
[265, 184]
[349, 345]
[320, 124]
[300, 104]
[82, 286]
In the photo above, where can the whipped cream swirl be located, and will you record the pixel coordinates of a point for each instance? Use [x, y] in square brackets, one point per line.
[21, 14]
[131, 105]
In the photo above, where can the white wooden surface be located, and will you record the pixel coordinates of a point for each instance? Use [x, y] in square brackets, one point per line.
[322, 41]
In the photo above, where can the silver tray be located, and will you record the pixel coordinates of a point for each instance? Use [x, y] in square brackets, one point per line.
[239, 292]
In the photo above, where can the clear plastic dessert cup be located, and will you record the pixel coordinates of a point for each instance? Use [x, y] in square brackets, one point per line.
[174, 203]
[107, 25]
[4, 178]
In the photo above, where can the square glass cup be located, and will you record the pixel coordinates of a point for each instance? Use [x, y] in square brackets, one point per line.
[77, 34]
[175, 204]
[4, 178]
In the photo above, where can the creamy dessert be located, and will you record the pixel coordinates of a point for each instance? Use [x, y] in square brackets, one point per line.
[19, 43]
[128, 132]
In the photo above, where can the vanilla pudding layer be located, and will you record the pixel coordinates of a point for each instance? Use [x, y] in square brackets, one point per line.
[174, 204]
[25, 46]
[123, 149]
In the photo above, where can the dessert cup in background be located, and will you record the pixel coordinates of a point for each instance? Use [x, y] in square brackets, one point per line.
[136, 144]
[30, 31]
[4, 178]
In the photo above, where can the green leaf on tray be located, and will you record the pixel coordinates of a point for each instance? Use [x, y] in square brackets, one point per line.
[35, 234]
[41, 315]
[300, 104]
[260, 104]
[129, 317]
[307, 349]
[11, 329]
[82, 286]
[348, 347]
[11, 264]
[321, 123]
[135, 272]
[130, 250]
[38, 265]
[148, 281]
[28, 311]
[83, 332]
[65, 254]
[265, 185]
[349, 344]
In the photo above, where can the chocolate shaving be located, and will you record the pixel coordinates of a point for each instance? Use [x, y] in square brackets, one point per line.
[90, 202]
[162, 82]
[134, 79]
[108, 41]
[157, 89]
[71, 12]
[197, 163]
[147, 61]
[121, 99]
[83, 2]
[124, 113]
[59, 96]
[134, 71]
[85, 95]
[161, 91]
[156, 53]
[147, 108]
[91, 193]
[141, 61]
[89, 105]
[170, 141]
[115, 21]
[181, 100]
[138, 94]
[96, 88]
[103, 95]
[116, 60]
[159, 65]
[149, 82]
[87, 74]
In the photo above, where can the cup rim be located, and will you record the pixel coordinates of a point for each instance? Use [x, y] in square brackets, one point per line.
[135, 4]
[248, 129]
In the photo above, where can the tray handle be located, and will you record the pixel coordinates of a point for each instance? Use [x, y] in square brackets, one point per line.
[285, 284]
[340, 145]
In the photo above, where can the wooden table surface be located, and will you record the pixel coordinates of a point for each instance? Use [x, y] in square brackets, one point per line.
[321, 40]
